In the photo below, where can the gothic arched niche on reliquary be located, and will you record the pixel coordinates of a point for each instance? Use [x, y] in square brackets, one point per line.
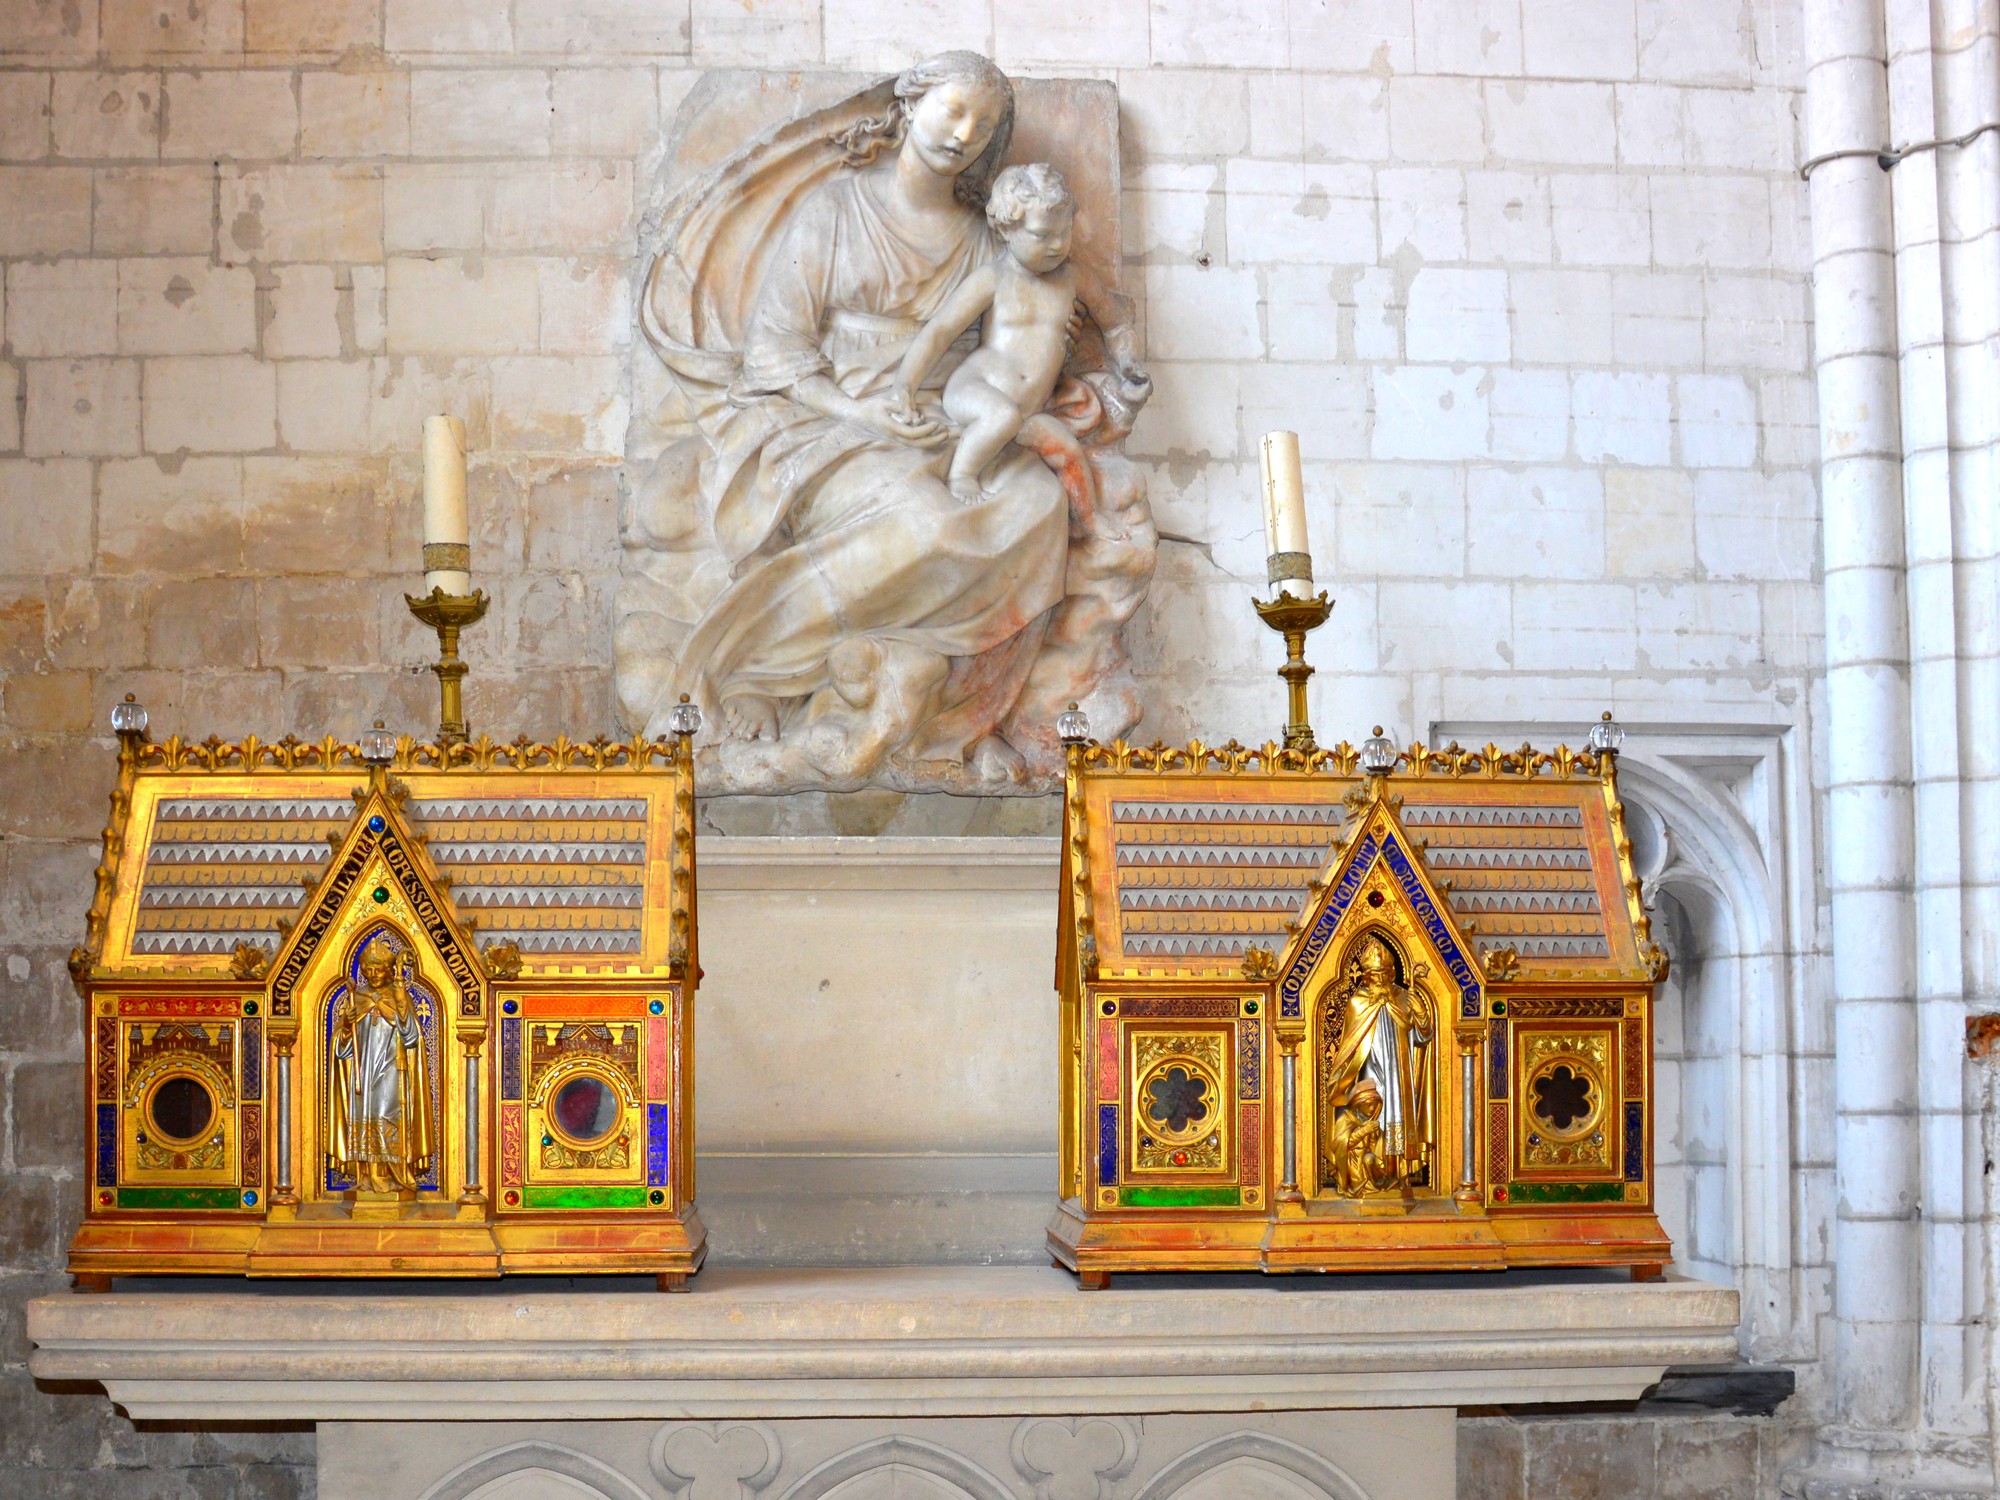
[380, 1120]
[1380, 1037]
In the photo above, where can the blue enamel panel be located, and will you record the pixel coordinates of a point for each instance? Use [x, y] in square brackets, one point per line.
[1322, 930]
[107, 1145]
[1496, 1056]
[659, 1143]
[253, 1059]
[1107, 1145]
[1249, 1061]
[510, 1059]
[1434, 924]
[1455, 961]
[1635, 1143]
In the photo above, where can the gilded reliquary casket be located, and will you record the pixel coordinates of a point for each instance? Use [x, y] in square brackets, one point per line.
[1315, 1018]
[392, 1008]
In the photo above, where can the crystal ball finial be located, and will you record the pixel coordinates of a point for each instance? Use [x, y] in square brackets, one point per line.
[1378, 753]
[378, 744]
[684, 719]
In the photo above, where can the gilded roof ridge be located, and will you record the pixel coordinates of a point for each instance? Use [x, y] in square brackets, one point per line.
[1343, 760]
[251, 754]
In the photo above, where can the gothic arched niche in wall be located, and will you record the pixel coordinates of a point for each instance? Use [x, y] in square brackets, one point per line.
[808, 551]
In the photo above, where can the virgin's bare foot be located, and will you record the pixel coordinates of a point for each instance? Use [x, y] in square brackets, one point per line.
[993, 760]
[750, 718]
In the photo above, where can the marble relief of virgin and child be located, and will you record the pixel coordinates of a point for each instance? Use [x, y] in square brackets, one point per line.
[890, 534]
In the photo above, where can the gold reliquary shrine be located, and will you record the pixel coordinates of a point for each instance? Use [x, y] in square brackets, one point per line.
[1322, 1017]
[389, 1008]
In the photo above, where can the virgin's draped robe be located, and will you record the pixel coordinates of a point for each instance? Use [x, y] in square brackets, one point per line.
[381, 1086]
[838, 532]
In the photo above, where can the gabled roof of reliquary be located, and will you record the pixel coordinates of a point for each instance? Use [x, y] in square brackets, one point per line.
[1205, 863]
[560, 858]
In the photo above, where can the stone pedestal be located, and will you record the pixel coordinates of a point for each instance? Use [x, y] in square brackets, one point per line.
[876, 1030]
[891, 1384]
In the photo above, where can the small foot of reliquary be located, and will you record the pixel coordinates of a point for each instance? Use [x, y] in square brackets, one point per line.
[1093, 1281]
[672, 1281]
[1648, 1273]
[91, 1281]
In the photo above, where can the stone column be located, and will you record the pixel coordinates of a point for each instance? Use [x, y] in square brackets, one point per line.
[1965, 63]
[1869, 803]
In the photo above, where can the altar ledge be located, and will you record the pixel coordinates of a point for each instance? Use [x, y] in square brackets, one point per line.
[879, 1342]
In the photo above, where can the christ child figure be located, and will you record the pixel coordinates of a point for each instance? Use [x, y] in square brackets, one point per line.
[1029, 295]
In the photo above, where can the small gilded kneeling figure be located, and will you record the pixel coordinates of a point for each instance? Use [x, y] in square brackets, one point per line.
[381, 1127]
[1355, 1144]
[1028, 294]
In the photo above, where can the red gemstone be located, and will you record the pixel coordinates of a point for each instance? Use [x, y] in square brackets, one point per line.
[1180, 1158]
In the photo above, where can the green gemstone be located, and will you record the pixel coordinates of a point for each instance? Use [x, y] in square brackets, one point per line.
[380, 893]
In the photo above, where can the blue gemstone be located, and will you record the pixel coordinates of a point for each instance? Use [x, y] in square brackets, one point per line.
[249, 1200]
[375, 824]
[510, 1006]
[656, 1007]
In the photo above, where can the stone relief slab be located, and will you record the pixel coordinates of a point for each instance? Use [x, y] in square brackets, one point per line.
[1377, 1455]
[877, 550]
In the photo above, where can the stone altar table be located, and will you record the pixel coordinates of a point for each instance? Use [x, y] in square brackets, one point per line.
[886, 1384]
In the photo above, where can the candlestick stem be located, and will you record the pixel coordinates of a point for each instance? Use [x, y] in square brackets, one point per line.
[448, 614]
[1292, 618]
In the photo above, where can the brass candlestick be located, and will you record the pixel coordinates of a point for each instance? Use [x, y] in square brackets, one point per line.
[448, 614]
[1292, 618]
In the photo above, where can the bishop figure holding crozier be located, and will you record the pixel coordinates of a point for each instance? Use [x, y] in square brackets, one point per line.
[1381, 1130]
[380, 1128]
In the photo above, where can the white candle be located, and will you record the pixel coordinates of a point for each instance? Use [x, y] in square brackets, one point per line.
[1285, 514]
[447, 530]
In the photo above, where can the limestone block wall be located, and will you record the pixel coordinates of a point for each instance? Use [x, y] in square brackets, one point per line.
[1527, 276]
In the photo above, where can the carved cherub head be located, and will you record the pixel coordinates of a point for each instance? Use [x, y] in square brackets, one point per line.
[1031, 208]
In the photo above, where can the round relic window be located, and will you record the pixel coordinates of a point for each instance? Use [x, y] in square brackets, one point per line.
[181, 1108]
[585, 1108]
